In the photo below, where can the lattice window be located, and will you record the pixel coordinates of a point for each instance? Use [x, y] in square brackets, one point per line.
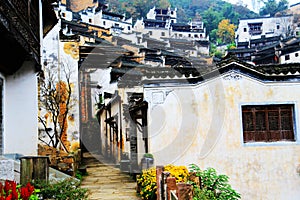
[268, 123]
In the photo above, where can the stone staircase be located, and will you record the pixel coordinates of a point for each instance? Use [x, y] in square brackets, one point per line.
[106, 181]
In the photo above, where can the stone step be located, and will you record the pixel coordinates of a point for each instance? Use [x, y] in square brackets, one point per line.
[106, 181]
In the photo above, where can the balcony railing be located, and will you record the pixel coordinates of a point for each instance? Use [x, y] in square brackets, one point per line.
[255, 32]
[21, 19]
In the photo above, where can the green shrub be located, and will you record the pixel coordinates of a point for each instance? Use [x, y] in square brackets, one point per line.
[67, 189]
[79, 175]
[212, 186]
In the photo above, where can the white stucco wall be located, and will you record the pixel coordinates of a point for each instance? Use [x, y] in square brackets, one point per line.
[64, 13]
[156, 33]
[189, 35]
[269, 27]
[21, 111]
[202, 124]
[294, 57]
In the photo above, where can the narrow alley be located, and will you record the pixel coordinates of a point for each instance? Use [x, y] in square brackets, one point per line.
[106, 181]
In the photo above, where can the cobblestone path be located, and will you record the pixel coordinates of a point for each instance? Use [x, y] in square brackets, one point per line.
[106, 181]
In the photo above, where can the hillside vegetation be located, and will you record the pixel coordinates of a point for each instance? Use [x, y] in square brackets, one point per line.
[211, 11]
[214, 13]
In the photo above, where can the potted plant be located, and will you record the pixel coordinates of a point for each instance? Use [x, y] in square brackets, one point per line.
[147, 161]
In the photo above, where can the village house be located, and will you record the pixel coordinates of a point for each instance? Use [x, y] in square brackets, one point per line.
[255, 28]
[259, 39]
[159, 30]
[188, 38]
[98, 15]
[60, 128]
[289, 52]
[233, 116]
[22, 28]
[239, 119]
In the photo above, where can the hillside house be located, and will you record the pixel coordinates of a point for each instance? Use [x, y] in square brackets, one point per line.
[259, 40]
[161, 24]
[267, 27]
[289, 51]
[22, 29]
[98, 15]
[255, 34]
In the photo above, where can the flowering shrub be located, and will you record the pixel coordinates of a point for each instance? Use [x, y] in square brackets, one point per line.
[147, 180]
[179, 172]
[147, 184]
[11, 191]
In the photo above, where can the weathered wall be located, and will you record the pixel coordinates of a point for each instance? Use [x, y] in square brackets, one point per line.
[20, 111]
[202, 124]
[60, 58]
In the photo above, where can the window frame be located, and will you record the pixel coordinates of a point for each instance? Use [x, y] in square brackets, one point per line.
[287, 57]
[271, 143]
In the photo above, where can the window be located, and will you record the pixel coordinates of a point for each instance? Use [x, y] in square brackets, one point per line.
[90, 20]
[278, 26]
[296, 54]
[255, 28]
[162, 33]
[245, 29]
[104, 23]
[190, 35]
[129, 28]
[150, 32]
[287, 57]
[63, 15]
[268, 123]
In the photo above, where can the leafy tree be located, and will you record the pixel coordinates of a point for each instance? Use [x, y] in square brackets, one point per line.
[229, 13]
[211, 19]
[212, 185]
[163, 3]
[226, 31]
[271, 7]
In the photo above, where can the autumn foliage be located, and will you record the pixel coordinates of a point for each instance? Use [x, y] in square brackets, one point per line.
[62, 89]
[226, 31]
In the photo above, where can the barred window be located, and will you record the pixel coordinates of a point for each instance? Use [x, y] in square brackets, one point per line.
[268, 123]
